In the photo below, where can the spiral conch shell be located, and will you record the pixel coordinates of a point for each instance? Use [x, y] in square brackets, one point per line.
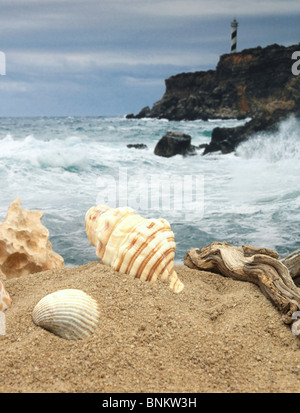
[71, 314]
[133, 245]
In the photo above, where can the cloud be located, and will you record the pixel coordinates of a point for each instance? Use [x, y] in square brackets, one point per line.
[13, 86]
[75, 15]
[213, 8]
[142, 81]
[204, 8]
[72, 62]
[72, 53]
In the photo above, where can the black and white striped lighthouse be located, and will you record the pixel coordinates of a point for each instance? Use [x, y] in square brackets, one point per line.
[234, 25]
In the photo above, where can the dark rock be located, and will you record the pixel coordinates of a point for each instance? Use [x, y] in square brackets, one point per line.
[130, 116]
[174, 143]
[227, 139]
[144, 113]
[137, 145]
[202, 146]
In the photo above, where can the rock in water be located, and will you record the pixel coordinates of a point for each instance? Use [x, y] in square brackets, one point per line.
[174, 143]
[24, 243]
[137, 146]
[144, 113]
[226, 140]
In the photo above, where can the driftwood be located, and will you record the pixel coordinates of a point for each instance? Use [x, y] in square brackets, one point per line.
[257, 265]
[292, 262]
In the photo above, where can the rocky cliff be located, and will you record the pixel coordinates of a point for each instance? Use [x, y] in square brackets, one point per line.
[252, 83]
[256, 83]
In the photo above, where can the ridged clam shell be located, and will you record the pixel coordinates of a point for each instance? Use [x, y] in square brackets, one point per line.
[131, 244]
[71, 314]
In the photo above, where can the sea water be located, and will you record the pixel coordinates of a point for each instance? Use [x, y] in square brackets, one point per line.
[63, 166]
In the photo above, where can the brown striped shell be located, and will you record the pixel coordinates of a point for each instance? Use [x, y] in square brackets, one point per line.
[131, 244]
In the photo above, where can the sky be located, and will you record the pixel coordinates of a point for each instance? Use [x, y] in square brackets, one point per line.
[111, 57]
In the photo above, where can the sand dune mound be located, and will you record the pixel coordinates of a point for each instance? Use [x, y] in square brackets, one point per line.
[218, 335]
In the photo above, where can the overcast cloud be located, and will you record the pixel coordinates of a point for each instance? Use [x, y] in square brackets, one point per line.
[94, 57]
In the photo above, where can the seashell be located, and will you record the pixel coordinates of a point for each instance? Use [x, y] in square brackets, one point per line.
[131, 244]
[5, 299]
[71, 314]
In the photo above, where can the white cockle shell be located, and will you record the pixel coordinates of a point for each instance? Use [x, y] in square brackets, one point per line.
[131, 244]
[71, 314]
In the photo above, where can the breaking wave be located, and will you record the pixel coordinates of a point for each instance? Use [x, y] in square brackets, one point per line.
[276, 146]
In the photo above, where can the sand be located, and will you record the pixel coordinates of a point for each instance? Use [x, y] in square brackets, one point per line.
[218, 335]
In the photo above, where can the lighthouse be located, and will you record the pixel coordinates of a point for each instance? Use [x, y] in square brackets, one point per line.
[234, 25]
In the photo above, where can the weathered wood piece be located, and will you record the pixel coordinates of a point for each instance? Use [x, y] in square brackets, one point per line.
[247, 263]
[292, 262]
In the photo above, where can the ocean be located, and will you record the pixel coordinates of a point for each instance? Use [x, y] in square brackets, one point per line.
[65, 165]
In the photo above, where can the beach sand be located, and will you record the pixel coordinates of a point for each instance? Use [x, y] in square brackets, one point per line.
[217, 335]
